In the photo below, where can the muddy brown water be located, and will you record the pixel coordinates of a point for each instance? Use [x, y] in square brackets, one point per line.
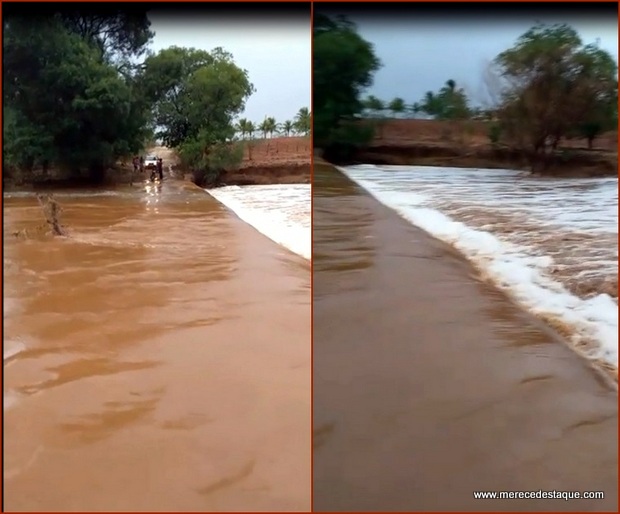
[429, 385]
[157, 359]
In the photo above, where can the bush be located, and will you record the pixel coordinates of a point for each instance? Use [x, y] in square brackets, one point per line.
[494, 133]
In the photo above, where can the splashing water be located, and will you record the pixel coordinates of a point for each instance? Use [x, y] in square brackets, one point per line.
[280, 212]
[551, 244]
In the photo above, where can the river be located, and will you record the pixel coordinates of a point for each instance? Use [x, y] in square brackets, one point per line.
[551, 244]
[157, 358]
[429, 383]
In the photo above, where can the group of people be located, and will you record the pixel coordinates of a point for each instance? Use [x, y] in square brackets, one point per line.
[158, 171]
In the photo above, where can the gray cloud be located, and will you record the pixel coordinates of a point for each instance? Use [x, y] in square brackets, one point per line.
[420, 54]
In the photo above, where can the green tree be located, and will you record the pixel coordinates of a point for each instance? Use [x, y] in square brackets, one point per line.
[242, 127]
[196, 96]
[264, 128]
[69, 107]
[375, 105]
[449, 103]
[287, 127]
[552, 84]
[272, 126]
[250, 129]
[397, 106]
[343, 67]
[303, 121]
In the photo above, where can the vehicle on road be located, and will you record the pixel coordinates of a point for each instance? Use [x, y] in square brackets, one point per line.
[150, 162]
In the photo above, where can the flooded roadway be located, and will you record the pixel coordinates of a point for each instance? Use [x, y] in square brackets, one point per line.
[430, 385]
[157, 359]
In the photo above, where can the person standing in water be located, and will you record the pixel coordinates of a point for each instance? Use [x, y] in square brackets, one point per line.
[160, 169]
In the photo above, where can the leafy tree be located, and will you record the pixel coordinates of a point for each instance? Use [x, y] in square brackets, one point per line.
[397, 106]
[118, 34]
[68, 106]
[552, 83]
[242, 127]
[449, 103]
[303, 121]
[287, 127]
[272, 125]
[264, 128]
[375, 106]
[343, 67]
[196, 96]
[250, 128]
[416, 109]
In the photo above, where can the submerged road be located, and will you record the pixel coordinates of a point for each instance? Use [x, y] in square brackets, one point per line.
[430, 385]
[158, 359]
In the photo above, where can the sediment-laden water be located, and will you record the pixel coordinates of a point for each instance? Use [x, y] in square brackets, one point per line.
[280, 212]
[551, 244]
[157, 358]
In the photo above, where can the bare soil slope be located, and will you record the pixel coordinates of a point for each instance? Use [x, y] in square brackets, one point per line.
[467, 144]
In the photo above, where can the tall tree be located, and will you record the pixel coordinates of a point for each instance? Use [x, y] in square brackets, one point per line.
[552, 83]
[397, 106]
[67, 105]
[287, 127]
[303, 121]
[196, 97]
[343, 67]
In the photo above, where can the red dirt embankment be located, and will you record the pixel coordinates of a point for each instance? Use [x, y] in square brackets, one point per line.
[279, 160]
[467, 144]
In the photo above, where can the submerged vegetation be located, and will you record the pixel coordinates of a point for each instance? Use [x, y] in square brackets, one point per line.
[548, 88]
[82, 91]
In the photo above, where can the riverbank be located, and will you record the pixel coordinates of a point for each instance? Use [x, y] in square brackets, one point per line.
[467, 145]
[279, 160]
[428, 380]
[161, 376]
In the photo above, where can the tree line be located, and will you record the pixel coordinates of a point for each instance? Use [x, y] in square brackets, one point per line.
[300, 125]
[82, 90]
[548, 87]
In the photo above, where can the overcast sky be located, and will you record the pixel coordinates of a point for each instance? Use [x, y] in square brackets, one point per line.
[420, 52]
[276, 51]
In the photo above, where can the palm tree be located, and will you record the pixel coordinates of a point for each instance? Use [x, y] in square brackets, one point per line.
[242, 127]
[397, 106]
[303, 121]
[375, 105]
[416, 108]
[264, 128]
[287, 127]
[271, 126]
[250, 128]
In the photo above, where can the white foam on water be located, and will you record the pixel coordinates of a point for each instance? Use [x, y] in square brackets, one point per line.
[282, 212]
[427, 196]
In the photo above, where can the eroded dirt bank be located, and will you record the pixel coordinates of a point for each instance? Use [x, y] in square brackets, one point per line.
[158, 359]
[279, 160]
[466, 144]
[430, 385]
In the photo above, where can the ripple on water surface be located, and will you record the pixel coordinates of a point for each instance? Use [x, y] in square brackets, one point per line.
[280, 212]
[552, 244]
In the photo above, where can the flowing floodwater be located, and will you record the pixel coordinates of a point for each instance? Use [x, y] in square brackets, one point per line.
[157, 358]
[281, 212]
[552, 244]
[427, 379]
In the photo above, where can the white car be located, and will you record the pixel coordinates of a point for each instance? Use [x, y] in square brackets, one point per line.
[150, 162]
